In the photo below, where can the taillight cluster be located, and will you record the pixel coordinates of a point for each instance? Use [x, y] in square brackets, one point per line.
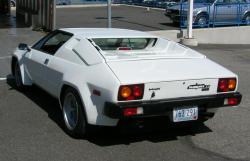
[226, 84]
[130, 92]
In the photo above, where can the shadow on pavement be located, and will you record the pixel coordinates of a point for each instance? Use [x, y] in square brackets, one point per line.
[10, 21]
[171, 24]
[137, 23]
[46, 102]
[158, 130]
[128, 131]
[105, 18]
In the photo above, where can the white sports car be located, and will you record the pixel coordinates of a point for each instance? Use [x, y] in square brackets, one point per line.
[101, 76]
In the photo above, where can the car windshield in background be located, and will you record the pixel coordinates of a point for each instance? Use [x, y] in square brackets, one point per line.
[116, 43]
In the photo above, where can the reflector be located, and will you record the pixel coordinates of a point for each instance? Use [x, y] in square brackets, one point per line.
[130, 111]
[232, 101]
[133, 111]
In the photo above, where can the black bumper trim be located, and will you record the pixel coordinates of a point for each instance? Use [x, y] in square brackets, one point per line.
[163, 107]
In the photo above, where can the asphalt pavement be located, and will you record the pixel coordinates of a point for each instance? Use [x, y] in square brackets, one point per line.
[137, 18]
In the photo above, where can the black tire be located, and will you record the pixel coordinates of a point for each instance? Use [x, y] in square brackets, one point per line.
[18, 77]
[246, 19]
[79, 128]
[201, 20]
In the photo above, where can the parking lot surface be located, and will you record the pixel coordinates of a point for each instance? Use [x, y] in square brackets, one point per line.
[31, 125]
[122, 17]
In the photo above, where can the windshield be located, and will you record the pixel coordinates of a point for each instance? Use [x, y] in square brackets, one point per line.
[116, 43]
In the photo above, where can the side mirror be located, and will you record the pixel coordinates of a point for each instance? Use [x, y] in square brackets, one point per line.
[23, 46]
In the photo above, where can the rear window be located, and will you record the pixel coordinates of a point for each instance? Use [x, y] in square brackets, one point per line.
[116, 43]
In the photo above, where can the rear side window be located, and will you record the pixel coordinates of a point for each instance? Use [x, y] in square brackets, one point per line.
[115, 43]
[52, 42]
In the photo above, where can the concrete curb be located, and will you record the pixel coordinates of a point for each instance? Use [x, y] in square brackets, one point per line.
[189, 41]
[85, 5]
[104, 5]
[160, 9]
[173, 35]
[221, 35]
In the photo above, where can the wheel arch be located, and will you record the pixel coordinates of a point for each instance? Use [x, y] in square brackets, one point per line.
[202, 13]
[66, 85]
[245, 14]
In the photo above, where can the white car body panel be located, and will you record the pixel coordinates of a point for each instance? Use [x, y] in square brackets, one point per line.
[89, 55]
[171, 76]
[81, 65]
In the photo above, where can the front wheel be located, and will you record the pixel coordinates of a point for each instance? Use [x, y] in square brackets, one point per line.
[201, 21]
[18, 77]
[73, 114]
[246, 19]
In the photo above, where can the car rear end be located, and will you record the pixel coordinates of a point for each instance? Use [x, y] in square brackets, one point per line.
[163, 78]
[171, 99]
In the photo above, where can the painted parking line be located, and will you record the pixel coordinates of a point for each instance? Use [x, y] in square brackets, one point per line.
[2, 79]
[5, 57]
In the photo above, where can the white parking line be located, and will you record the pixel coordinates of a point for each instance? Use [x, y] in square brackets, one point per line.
[5, 57]
[2, 58]
[2, 79]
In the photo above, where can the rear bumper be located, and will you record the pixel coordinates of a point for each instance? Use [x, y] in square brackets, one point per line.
[165, 107]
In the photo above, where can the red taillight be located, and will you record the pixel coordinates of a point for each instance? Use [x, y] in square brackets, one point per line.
[131, 92]
[226, 84]
[137, 91]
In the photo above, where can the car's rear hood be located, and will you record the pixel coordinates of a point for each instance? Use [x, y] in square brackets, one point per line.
[162, 70]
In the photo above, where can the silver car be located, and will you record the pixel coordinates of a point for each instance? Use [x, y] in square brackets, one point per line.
[219, 12]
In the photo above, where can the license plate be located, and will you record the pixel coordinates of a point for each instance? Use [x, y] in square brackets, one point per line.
[185, 114]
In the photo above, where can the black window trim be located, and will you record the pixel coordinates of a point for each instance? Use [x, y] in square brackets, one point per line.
[48, 36]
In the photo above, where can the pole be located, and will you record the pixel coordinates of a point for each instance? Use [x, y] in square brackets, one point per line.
[54, 15]
[109, 13]
[190, 19]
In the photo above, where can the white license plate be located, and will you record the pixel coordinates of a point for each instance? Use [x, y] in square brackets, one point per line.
[185, 113]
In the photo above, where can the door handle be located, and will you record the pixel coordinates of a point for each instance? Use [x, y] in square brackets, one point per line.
[46, 61]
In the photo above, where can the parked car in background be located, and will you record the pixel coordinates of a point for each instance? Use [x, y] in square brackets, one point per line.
[149, 3]
[63, 2]
[165, 3]
[101, 76]
[216, 11]
[13, 3]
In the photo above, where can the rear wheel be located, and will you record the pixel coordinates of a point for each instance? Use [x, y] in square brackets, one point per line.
[73, 114]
